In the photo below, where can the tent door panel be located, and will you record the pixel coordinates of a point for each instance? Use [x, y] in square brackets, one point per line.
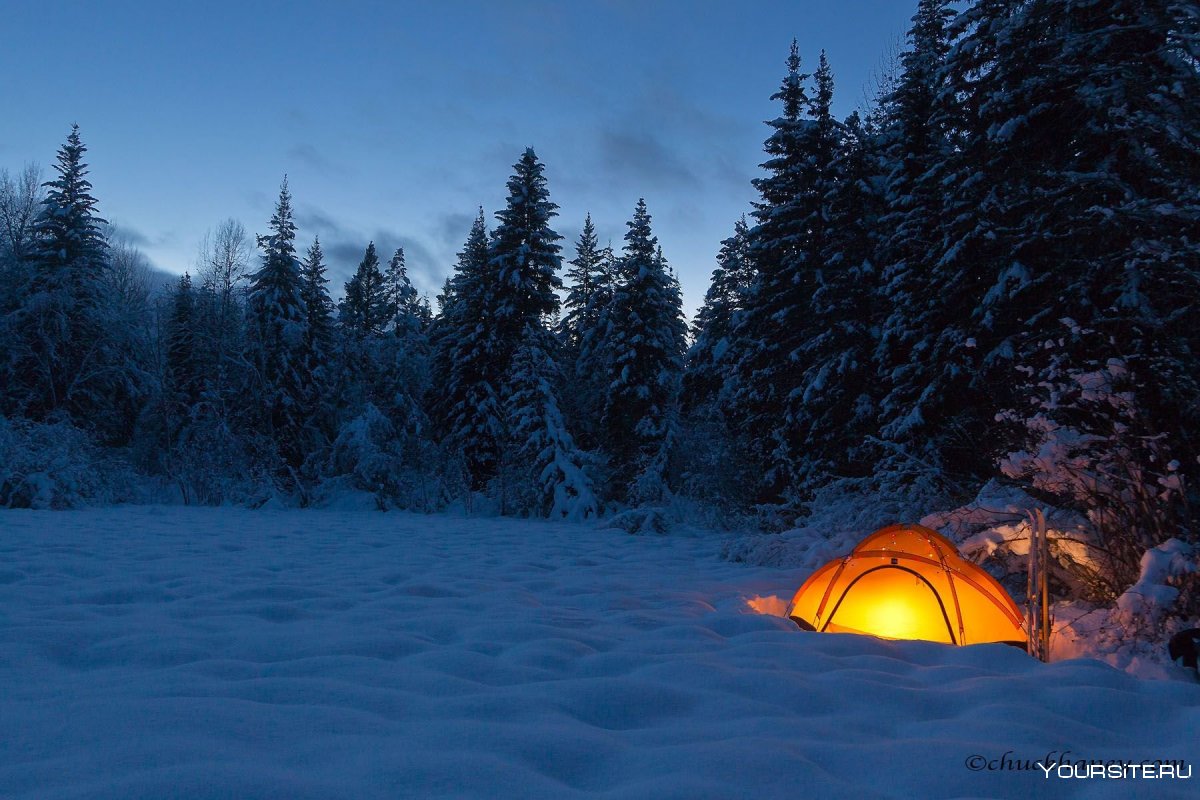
[894, 602]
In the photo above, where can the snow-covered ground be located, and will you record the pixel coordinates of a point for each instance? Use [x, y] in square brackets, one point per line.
[225, 653]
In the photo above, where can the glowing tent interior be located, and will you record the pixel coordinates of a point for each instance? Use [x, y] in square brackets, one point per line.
[908, 582]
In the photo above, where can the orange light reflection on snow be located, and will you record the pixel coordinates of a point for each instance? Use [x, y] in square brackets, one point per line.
[770, 605]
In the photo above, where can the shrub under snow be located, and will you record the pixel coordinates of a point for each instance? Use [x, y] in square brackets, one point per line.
[53, 465]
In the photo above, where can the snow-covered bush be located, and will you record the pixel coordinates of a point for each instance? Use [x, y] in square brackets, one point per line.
[371, 455]
[55, 466]
[637, 521]
[838, 515]
[1133, 633]
[995, 530]
[1164, 569]
[1129, 630]
[211, 464]
[1089, 449]
[204, 459]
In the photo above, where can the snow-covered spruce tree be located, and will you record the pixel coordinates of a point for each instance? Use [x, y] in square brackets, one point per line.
[582, 328]
[380, 443]
[955, 408]
[317, 305]
[276, 319]
[787, 245]
[920, 125]
[403, 355]
[177, 407]
[424, 312]
[404, 304]
[835, 411]
[409, 350]
[66, 355]
[524, 255]
[364, 309]
[753, 403]
[365, 316]
[410, 330]
[712, 468]
[541, 470]
[557, 485]
[467, 379]
[1090, 140]
[184, 360]
[409, 326]
[585, 275]
[707, 364]
[644, 349]
[320, 346]
[1087, 443]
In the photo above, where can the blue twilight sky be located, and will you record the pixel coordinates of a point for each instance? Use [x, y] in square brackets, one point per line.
[394, 120]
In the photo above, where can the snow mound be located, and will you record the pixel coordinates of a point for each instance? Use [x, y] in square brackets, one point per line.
[195, 652]
[1147, 600]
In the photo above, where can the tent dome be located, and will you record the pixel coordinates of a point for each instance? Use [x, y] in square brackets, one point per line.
[908, 582]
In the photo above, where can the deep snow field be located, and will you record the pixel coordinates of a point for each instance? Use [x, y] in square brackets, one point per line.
[196, 653]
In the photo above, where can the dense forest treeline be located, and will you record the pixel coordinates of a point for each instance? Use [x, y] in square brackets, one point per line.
[990, 273]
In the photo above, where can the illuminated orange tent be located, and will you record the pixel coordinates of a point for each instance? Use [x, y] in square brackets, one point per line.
[908, 582]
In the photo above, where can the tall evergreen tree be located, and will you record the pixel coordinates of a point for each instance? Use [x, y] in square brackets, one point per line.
[586, 274]
[467, 378]
[708, 366]
[524, 256]
[788, 245]
[834, 408]
[424, 312]
[404, 304]
[181, 387]
[67, 356]
[365, 316]
[184, 361]
[69, 240]
[539, 453]
[381, 444]
[712, 466]
[407, 351]
[644, 347]
[922, 296]
[755, 401]
[319, 345]
[317, 303]
[276, 323]
[582, 331]
[1087, 138]
[365, 309]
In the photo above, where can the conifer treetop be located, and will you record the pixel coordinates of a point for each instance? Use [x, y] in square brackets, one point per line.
[68, 229]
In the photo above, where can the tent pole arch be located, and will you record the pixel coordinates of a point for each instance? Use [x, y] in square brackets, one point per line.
[914, 573]
[962, 634]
